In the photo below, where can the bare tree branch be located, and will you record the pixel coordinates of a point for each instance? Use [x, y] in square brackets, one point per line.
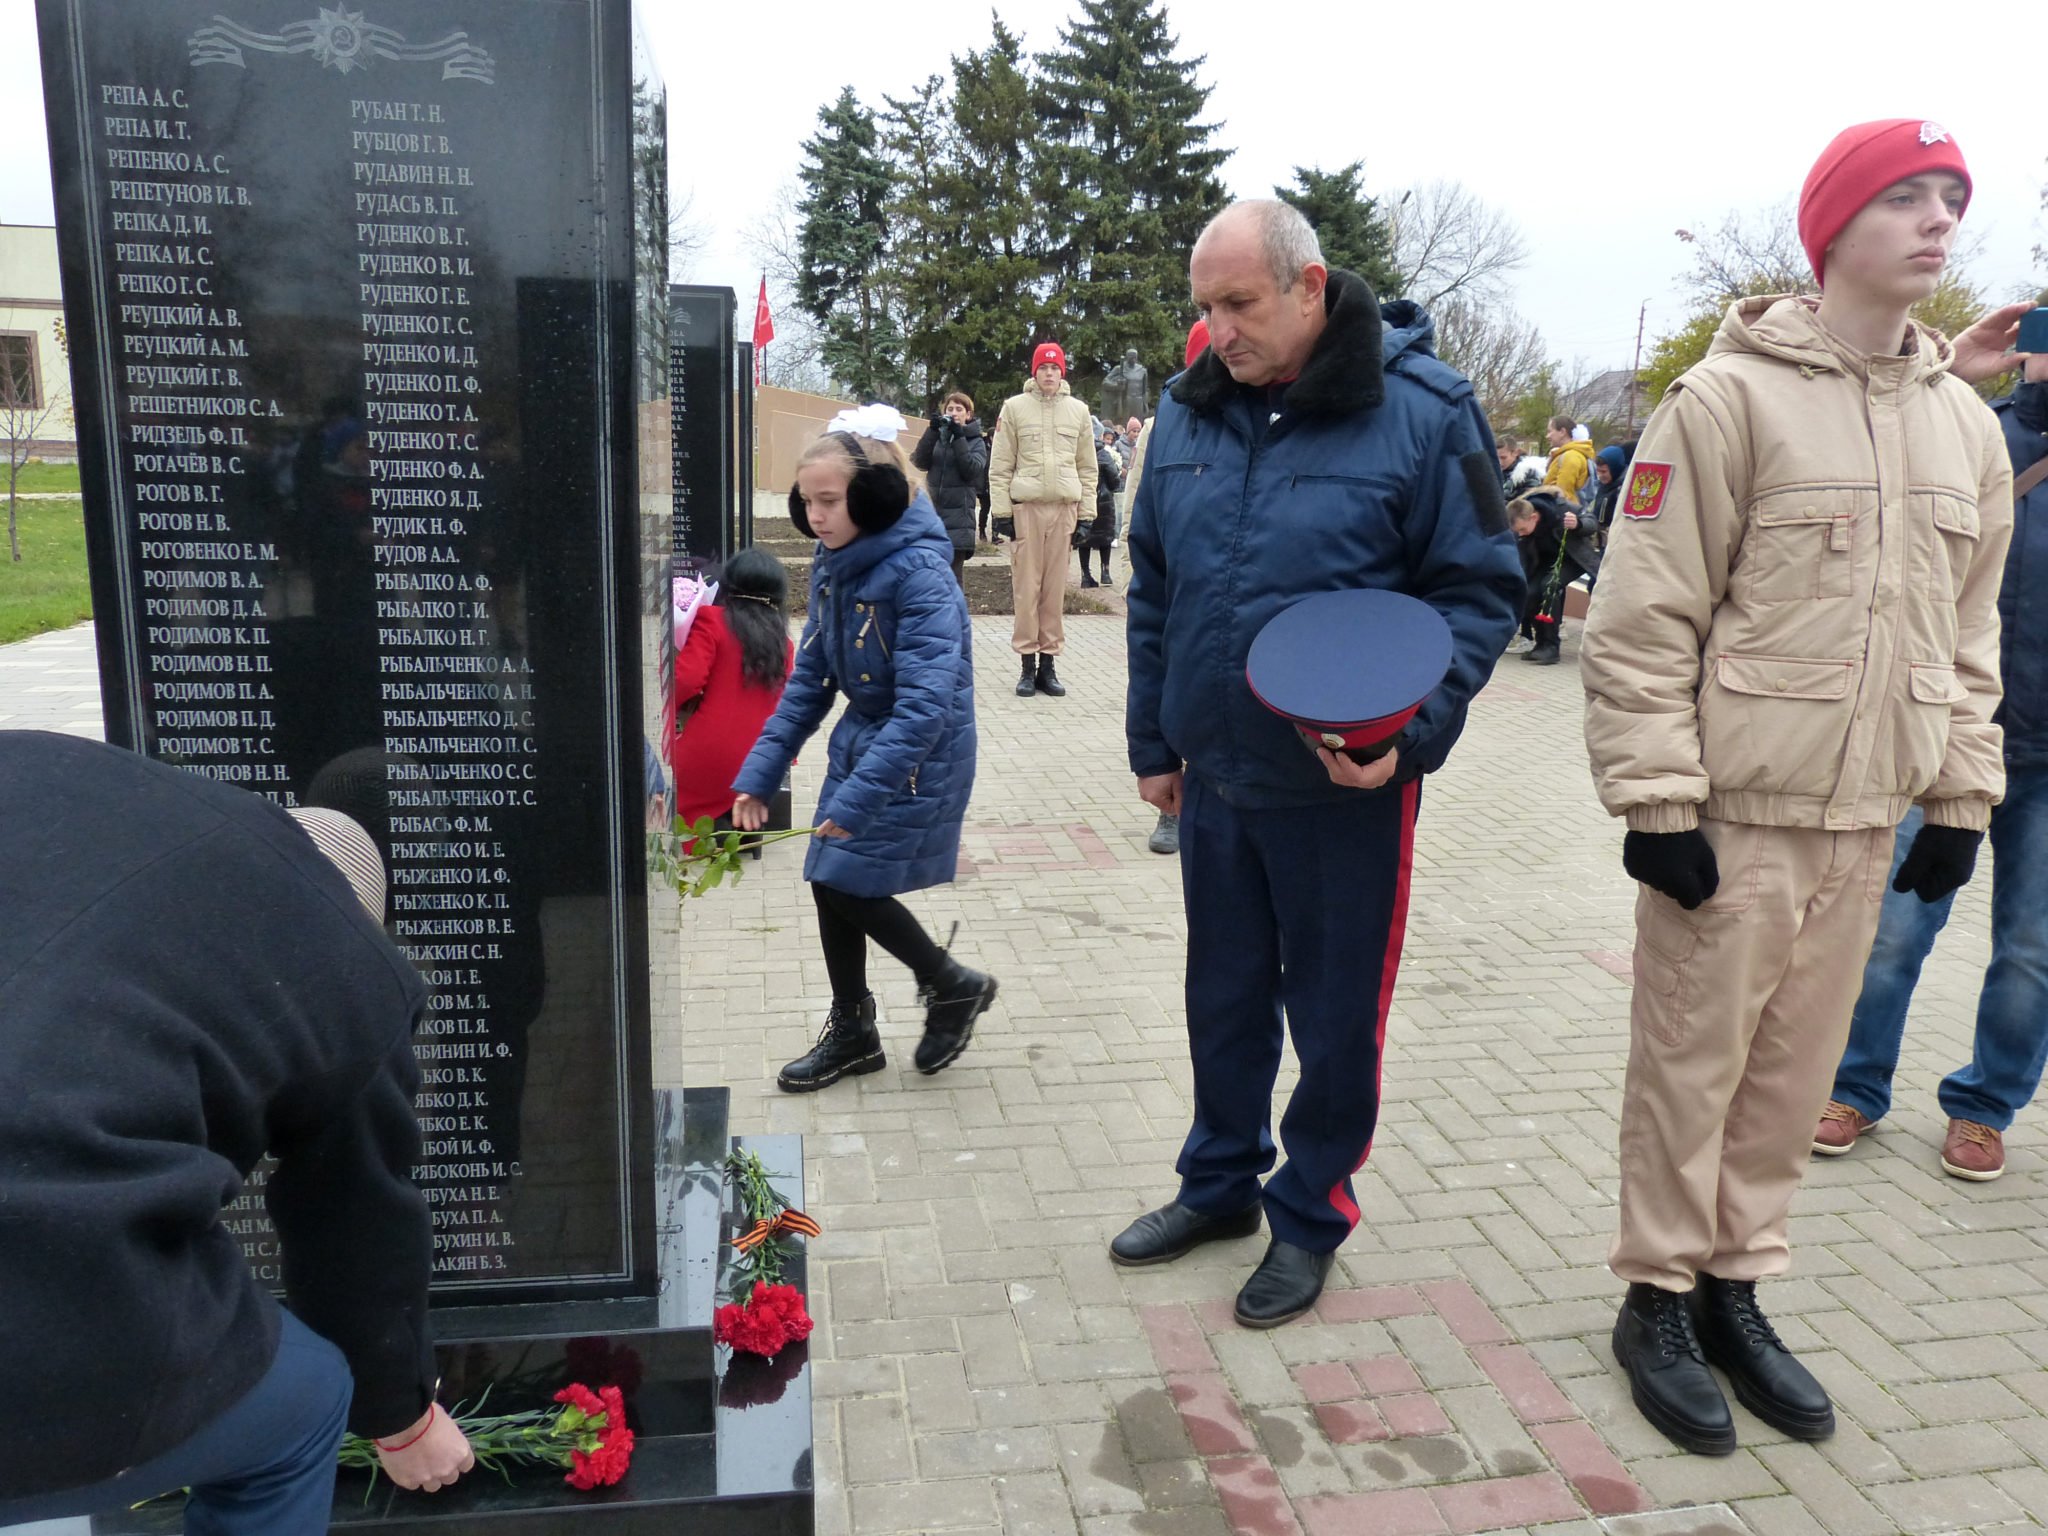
[795, 358]
[1448, 242]
[687, 238]
[1494, 347]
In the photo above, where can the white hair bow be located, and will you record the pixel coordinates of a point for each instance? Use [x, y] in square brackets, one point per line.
[882, 423]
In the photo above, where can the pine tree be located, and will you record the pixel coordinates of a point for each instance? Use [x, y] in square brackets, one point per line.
[916, 133]
[1348, 224]
[844, 277]
[1127, 180]
[976, 295]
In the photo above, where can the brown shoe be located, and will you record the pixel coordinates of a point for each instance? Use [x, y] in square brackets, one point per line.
[1973, 1151]
[1838, 1129]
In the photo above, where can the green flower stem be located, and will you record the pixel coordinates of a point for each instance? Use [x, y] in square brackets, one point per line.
[758, 1201]
[712, 854]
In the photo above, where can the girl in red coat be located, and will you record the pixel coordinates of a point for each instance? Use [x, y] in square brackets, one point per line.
[733, 665]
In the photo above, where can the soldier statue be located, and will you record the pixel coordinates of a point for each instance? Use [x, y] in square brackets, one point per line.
[1125, 390]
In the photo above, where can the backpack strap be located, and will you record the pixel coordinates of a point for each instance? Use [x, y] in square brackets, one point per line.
[2029, 477]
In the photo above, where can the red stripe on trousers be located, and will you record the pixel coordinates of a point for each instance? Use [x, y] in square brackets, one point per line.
[1390, 966]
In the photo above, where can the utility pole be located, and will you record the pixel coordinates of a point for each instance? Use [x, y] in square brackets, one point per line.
[1636, 372]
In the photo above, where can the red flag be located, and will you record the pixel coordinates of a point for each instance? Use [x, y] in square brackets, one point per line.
[764, 328]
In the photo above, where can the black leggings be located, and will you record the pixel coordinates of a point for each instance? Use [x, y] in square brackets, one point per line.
[846, 923]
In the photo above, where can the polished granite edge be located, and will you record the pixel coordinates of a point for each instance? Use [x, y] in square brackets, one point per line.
[728, 1438]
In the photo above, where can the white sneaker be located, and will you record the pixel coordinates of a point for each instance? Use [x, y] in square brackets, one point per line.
[1520, 644]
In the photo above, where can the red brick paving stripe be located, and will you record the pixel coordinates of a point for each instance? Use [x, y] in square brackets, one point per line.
[1471, 1319]
[1612, 963]
[1325, 1383]
[1384, 1375]
[1217, 1315]
[1603, 1482]
[1414, 1413]
[1351, 1423]
[1211, 1414]
[1385, 1512]
[1092, 847]
[1503, 1501]
[1524, 1383]
[1178, 1344]
[1252, 1498]
[1371, 1304]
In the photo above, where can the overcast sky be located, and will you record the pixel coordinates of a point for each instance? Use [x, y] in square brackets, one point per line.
[1601, 137]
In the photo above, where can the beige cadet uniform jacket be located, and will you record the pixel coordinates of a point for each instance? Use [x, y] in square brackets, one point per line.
[1796, 622]
[1043, 451]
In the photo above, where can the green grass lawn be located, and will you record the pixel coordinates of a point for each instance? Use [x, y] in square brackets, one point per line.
[47, 590]
[43, 477]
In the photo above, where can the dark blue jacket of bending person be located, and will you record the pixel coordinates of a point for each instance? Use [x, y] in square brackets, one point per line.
[2023, 599]
[888, 629]
[1377, 471]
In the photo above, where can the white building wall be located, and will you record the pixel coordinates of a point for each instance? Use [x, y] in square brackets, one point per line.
[32, 302]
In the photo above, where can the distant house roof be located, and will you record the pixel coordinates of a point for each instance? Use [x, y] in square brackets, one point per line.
[1604, 398]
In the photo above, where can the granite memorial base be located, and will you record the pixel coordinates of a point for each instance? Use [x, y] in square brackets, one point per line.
[722, 1442]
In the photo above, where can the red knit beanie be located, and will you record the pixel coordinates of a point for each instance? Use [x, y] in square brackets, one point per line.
[1198, 342]
[1049, 352]
[1860, 163]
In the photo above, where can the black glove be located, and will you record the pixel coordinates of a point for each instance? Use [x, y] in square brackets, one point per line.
[1939, 863]
[1679, 864]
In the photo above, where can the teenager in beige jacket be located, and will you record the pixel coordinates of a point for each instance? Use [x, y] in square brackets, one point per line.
[1794, 640]
[1041, 472]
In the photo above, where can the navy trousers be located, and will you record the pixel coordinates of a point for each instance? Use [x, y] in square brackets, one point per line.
[263, 1468]
[1295, 913]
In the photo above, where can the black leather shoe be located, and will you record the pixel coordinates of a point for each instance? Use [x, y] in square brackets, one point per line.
[952, 1002]
[1655, 1343]
[1285, 1285]
[1544, 654]
[1769, 1380]
[1027, 685]
[1172, 1230]
[1048, 680]
[849, 1045]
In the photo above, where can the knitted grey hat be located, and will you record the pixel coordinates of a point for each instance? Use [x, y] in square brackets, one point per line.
[349, 849]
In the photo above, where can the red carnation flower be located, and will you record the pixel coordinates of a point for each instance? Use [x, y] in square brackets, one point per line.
[772, 1317]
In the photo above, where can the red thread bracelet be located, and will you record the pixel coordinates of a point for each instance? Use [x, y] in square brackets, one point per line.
[432, 1408]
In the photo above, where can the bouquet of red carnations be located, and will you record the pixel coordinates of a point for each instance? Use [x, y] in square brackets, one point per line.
[587, 1435]
[770, 1317]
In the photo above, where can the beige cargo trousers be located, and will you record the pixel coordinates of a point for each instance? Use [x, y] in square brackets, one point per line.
[1740, 1016]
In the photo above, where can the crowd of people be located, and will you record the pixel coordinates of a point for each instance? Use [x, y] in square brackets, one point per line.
[1799, 696]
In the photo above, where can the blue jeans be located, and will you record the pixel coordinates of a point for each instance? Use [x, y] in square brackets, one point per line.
[263, 1468]
[2012, 1011]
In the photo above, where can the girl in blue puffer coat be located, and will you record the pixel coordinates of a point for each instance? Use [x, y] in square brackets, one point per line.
[888, 629]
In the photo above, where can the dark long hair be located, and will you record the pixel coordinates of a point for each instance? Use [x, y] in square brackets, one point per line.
[753, 589]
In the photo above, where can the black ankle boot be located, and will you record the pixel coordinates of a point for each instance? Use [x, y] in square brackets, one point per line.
[850, 1044]
[1048, 680]
[1655, 1343]
[1027, 685]
[1769, 1380]
[953, 1000]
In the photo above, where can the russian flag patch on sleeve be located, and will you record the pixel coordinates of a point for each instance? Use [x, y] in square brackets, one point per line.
[1647, 484]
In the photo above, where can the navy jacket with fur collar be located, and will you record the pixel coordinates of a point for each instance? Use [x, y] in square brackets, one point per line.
[1378, 472]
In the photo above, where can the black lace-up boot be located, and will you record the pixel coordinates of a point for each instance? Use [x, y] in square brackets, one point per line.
[953, 999]
[1027, 685]
[1769, 1380]
[849, 1043]
[1048, 680]
[1668, 1377]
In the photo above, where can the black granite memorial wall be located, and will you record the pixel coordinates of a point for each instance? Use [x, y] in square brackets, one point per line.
[703, 394]
[367, 313]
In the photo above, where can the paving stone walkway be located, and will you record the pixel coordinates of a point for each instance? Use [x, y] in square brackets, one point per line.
[982, 1367]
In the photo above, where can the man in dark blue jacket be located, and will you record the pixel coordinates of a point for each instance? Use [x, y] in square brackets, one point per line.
[1982, 1098]
[1316, 446]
